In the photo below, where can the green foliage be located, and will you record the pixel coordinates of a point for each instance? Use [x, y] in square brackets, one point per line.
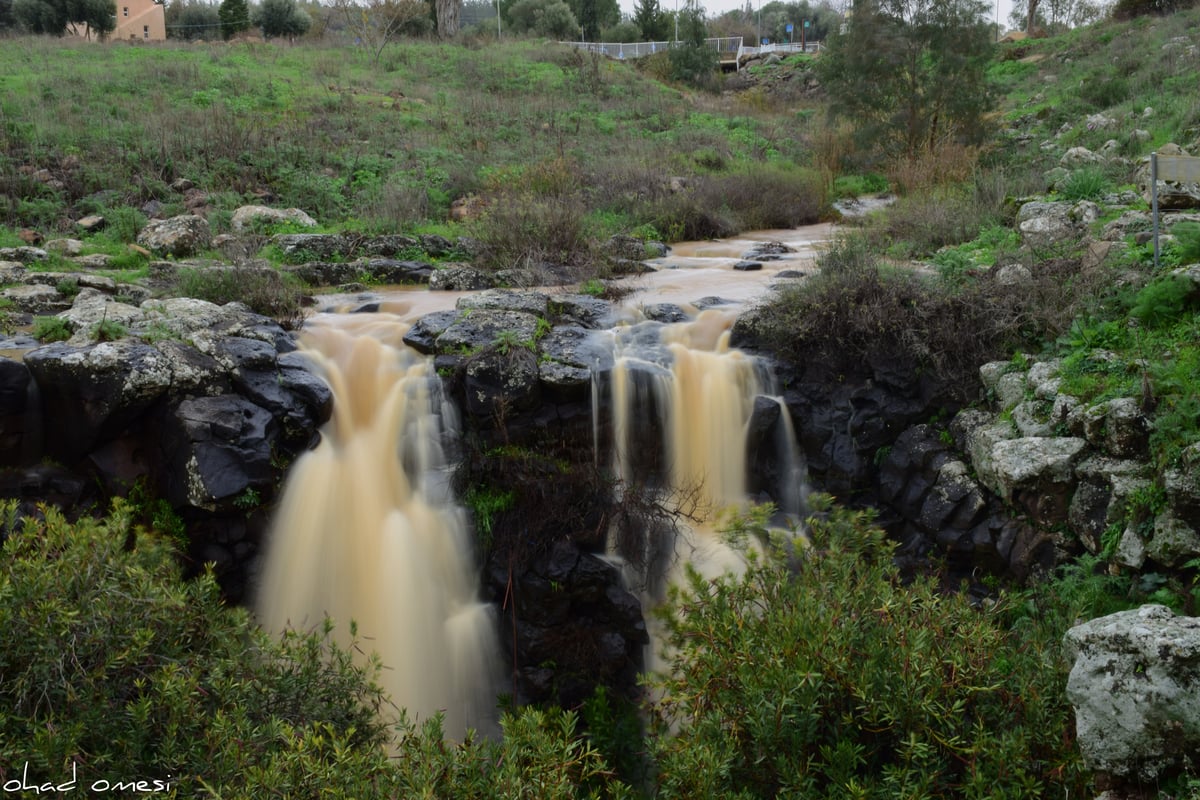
[910, 74]
[113, 662]
[1164, 301]
[107, 330]
[53, 16]
[551, 18]
[192, 20]
[654, 23]
[858, 185]
[1187, 242]
[265, 291]
[692, 60]
[234, 16]
[280, 18]
[819, 673]
[51, 329]
[1088, 183]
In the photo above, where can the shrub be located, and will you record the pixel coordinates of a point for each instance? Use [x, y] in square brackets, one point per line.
[264, 290]
[51, 329]
[1162, 302]
[552, 18]
[819, 673]
[529, 230]
[1187, 242]
[1088, 183]
[112, 662]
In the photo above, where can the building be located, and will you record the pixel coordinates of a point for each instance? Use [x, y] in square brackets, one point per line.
[137, 20]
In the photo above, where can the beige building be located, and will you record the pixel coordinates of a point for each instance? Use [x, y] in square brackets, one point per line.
[137, 20]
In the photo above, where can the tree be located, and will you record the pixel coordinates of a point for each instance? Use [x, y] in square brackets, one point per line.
[594, 15]
[280, 18]
[192, 21]
[377, 22]
[234, 16]
[650, 19]
[910, 74]
[692, 60]
[550, 18]
[6, 16]
[54, 16]
[447, 17]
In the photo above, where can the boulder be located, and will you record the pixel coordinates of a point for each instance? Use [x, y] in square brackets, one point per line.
[245, 217]
[1035, 472]
[480, 329]
[460, 278]
[1135, 687]
[422, 336]
[65, 247]
[217, 449]
[23, 255]
[91, 393]
[182, 236]
[36, 299]
[496, 383]
[526, 302]
[1080, 157]
[585, 310]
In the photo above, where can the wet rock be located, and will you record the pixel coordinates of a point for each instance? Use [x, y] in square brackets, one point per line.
[479, 329]
[36, 299]
[666, 313]
[499, 383]
[422, 336]
[526, 302]
[93, 392]
[588, 311]
[460, 278]
[218, 449]
[748, 266]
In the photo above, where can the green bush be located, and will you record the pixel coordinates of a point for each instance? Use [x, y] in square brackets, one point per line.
[820, 674]
[1164, 301]
[1088, 183]
[264, 290]
[51, 329]
[112, 662]
[1187, 242]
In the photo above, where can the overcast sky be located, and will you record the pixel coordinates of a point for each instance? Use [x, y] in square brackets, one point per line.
[717, 7]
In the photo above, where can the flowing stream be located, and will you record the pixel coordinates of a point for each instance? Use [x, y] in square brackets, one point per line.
[368, 531]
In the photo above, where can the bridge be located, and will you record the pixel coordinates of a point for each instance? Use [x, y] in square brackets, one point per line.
[731, 52]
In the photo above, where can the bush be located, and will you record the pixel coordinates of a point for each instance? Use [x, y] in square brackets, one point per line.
[1088, 183]
[51, 329]
[264, 290]
[818, 673]
[552, 18]
[1187, 242]
[113, 663]
[529, 230]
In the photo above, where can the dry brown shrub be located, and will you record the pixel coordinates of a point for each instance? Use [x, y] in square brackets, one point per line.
[944, 163]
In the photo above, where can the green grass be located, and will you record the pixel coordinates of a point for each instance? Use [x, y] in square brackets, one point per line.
[359, 148]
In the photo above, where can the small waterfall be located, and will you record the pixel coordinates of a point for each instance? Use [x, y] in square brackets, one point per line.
[684, 383]
[368, 531]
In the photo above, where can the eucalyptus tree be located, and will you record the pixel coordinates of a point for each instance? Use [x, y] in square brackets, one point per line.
[55, 16]
[911, 74]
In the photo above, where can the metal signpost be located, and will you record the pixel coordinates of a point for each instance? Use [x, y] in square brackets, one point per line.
[1184, 169]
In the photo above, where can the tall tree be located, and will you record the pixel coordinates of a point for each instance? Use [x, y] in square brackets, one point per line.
[375, 23]
[651, 21]
[280, 18]
[911, 73]
[54, 16]
[447, 17]
[234, 16]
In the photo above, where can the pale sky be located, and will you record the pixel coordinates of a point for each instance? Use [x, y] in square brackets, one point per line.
[715, 8]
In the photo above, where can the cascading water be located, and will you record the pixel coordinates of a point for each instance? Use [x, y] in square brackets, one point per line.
[368, 531]
[685, 379]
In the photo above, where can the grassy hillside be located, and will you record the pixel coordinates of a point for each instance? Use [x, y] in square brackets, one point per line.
[386, 147]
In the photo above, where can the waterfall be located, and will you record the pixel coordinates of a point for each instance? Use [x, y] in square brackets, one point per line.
[368, 531]
[685, 383]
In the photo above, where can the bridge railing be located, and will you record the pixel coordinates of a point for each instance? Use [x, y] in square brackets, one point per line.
[793, 47]
[726, 46]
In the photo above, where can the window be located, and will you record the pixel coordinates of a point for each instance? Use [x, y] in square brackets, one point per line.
[125, 10]
[145, 31]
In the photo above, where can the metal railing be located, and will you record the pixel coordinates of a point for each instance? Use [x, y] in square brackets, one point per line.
[807, 47]
[730, 46]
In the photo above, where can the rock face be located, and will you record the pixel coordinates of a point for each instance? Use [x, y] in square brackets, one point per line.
[1135, 686]
[181, 236]
[206, 413]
